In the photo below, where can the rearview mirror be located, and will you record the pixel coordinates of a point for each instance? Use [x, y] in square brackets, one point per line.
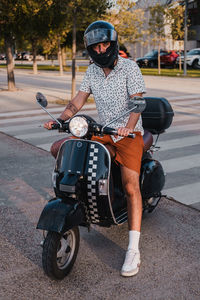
[41, 99]
[137, 104]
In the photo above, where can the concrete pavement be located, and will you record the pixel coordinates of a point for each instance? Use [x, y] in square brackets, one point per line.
[169, 244]
[57, 87]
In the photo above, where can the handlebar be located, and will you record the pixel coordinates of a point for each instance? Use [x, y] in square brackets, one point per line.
[93, 128]
[112, 131]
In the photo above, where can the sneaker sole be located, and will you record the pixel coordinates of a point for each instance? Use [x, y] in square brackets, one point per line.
[130, 273]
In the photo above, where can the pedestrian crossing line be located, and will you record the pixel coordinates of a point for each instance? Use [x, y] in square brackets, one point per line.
[188, 127]
[46, 147]
[30, 112]
[40, 111]
[179, 143]
[181, 163]
[186, 97]
[13, 129]
[185, 103]
[43, 134]
[36, 118]
[187, 194]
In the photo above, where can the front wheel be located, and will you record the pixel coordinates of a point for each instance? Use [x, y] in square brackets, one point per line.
[60, 252]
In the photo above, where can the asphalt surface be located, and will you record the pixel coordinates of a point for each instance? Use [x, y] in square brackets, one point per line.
[169, 244]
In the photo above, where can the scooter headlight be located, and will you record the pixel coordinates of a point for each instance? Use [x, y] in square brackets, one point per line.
[78, 126]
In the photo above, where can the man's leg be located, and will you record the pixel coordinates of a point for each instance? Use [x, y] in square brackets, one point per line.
[130, 180]
[56, 146]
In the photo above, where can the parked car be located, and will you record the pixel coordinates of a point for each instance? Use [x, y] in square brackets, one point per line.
[2, 56]
[24, 56]
[192, 58]
[150, 60]
[168, 58]
[123, 54]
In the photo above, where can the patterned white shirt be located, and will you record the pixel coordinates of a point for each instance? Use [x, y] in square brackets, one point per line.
[112, 93]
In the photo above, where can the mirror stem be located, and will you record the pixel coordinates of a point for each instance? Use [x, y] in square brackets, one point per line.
[128, 111]
[50, 115]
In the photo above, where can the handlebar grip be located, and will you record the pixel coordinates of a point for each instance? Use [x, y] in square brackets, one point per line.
[131, 135]
[112, 131]
[55, 126]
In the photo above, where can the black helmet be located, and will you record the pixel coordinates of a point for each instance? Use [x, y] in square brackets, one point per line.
[100, 32]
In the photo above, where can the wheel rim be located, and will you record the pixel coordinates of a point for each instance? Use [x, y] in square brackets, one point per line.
[66, 249]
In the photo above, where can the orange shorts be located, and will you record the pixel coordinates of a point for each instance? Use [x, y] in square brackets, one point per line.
[128, 151]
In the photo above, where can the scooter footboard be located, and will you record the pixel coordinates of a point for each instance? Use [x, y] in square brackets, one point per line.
[60, 216]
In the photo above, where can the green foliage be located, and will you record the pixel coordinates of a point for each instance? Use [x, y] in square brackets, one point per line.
[175, 18]
[157, 22]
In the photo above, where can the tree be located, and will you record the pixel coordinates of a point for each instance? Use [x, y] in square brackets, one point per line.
[156, 27]
[9, 26]
[128, 22]
[83, 12]
[175, 17]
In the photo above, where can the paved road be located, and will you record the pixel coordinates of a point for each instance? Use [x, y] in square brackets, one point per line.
[169, 243]
[179, 147]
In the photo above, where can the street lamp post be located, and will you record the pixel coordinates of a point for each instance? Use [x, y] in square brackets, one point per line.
[185, 37]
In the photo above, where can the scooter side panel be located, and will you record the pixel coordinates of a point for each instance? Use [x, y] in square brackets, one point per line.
[84, 167]
[59, 216]
[152, 178]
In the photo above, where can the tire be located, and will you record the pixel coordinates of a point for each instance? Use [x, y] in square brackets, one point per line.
[196, 65]
[60, 252]
[150, 204]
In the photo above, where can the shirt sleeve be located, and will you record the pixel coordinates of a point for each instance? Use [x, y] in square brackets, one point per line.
[135, 81]
[86, 83]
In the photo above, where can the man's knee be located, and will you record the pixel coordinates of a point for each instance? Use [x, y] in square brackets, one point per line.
[56, 146]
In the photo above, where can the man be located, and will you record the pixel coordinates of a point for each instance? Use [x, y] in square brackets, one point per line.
[113, 80]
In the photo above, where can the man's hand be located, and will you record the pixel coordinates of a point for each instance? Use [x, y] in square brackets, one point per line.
[48, 125]
[124, 131]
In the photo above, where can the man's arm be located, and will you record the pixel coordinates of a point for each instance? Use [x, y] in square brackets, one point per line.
[134, 117]
[71, 109]
[74, 105]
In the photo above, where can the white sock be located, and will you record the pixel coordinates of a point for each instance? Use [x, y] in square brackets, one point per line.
[134, 237]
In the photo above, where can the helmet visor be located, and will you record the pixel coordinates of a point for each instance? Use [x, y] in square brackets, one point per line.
[99, 35]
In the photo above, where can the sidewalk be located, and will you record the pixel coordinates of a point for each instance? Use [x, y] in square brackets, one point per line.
[169, 242]
[59, 87]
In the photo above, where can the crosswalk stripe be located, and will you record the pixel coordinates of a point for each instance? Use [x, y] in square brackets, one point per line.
[40, 111]
[45, 146]
[177, 98]
[181, 163]
[179, 143]
[187, 127]
[185, 103]
[29, 136]
[35, 118]
[187, 194]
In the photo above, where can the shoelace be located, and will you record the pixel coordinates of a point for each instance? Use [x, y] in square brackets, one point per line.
[130, 255]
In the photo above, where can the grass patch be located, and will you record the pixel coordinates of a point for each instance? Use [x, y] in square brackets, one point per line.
[171, 72]
[46, 67]
[149, 71]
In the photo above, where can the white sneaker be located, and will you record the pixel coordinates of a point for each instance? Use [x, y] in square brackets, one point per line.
[131, 264]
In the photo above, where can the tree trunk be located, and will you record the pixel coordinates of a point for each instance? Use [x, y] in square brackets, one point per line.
[159, 58]
[60, 58]
[180, 68]
[73, 92]
[34, 51]
[10, 65]
[63, 53]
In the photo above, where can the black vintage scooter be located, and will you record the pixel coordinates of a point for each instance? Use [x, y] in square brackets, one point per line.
[87, 183]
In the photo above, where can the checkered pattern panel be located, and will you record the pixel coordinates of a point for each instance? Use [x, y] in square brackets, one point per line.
[91, 185]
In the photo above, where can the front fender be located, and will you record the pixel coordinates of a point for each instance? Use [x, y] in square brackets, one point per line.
[60, 216]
